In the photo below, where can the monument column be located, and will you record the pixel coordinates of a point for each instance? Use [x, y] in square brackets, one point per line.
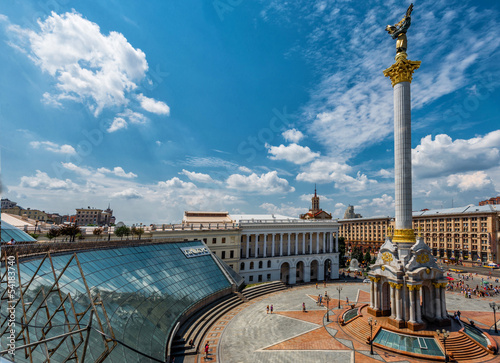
[412, 304]
[401, 74]
[393, 300]
[444, 313]
[372, 292]
[399, 303]
[417, 301]
[437, 300]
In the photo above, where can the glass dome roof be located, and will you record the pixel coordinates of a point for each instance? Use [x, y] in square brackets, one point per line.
[8, 231]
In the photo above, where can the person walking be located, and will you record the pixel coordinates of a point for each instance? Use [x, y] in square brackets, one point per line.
[267, 309]
[272, 309]
[347, 300]
[303, 307]
[207, 348]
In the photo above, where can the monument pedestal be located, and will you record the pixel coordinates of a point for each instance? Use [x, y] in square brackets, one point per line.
[374, 312]
[415, 326]
[400, 324]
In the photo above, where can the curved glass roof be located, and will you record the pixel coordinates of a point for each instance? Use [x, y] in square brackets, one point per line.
[144, 291]
[8, 231]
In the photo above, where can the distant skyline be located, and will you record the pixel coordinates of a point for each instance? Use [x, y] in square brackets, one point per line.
[160, 107]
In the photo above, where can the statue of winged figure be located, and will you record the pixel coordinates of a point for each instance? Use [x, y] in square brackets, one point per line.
[398, 31]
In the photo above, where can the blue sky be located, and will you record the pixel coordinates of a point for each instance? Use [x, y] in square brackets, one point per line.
[164, 106]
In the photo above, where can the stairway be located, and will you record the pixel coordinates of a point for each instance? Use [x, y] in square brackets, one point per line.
[196, 327]
[264, 289]
[463, 348]
[359, 329]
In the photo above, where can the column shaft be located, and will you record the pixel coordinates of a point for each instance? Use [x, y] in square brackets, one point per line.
[296, 243]
[303, 243]
[437, 302]
[412, 306]
[288, 239]
[272, 246]
[393, 302]
[281, 244]
[399, 305]
[419, 311]
[256, 245]
[265, 245]
[402, 155]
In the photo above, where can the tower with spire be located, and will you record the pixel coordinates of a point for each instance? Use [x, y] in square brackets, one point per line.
[315, 212]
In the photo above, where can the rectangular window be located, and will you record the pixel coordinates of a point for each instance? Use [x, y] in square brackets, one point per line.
[231, 254]
[223, 255]
[223, 239]
[250, 278]
[214, 240]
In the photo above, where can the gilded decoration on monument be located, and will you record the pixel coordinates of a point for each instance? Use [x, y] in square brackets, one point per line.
[404, 236]
[402, 70]
[387, 257]
[422, 258]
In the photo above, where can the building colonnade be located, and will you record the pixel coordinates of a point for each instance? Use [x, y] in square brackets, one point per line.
[275, 244]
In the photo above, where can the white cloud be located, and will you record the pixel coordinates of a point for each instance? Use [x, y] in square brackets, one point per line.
[118, 171]
[293, 153]
[199, 177]
[307, 198]
[293, 135]
[42, 181]
[442, 156]
[383, 173]
[471, 181]
[50, 146]
[133, 117]
[244, 169]
[269, 183]
[158, 142]
[151, 105]
[326, 170]
[98, 70]
[118, 123]
[78, 169]
[285, 209]
[129, 193]
[176, 183]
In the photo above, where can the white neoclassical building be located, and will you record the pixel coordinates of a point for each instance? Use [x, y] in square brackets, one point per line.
[292, 250]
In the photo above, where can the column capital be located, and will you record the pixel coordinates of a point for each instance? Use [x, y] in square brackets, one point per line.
[402, 70]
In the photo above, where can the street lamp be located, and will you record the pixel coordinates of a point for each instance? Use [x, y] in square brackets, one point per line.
[443, 334]
[371, 323]
[327, 298]
[494, 307]
[339, 289]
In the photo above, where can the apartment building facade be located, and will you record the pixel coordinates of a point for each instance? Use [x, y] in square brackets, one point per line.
[468, 233]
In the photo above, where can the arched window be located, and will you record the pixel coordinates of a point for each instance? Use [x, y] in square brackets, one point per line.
[269, 264]
[242, 266]
[260, 264]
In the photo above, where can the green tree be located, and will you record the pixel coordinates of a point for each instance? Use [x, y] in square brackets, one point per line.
[71, 231]
[342, 252]
[137, 231]
[97, 232]
[357, 254]
[34, 235]
[53, 233]
[367, 258]
[122, 231]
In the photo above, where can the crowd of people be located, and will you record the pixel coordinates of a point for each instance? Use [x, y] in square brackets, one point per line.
[482, 287]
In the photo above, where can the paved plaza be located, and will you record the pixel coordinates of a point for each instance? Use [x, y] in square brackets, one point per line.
[248, 334]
